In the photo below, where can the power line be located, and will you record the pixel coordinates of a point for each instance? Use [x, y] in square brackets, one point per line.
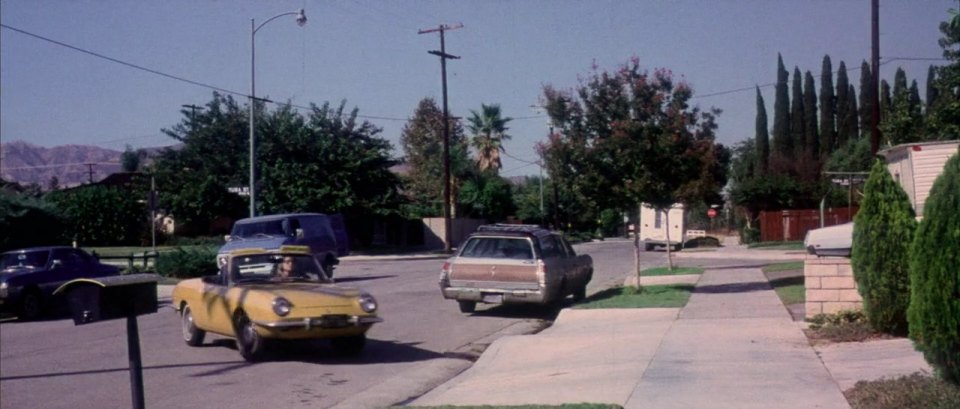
[171, 76]
[58, 165]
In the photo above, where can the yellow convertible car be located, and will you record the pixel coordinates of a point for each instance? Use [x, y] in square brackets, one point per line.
[281, 294]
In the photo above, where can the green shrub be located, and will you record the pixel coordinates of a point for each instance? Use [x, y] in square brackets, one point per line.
[934, 311]
[183, 263]
[882, 232]
[749, 235]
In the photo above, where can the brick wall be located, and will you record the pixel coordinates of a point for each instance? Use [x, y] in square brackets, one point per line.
[830, 286]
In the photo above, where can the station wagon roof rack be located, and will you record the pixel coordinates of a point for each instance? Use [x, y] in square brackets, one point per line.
[514, 228]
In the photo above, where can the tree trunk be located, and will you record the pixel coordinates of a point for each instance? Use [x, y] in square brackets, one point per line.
[636, 249]
[666, 218]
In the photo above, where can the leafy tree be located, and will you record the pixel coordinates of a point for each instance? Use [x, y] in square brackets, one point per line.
[488, 196]
[798, 118]
[634, 114]
[102, 216]
[828, 109]
[489, 129]
[193, 181]
[130, 160]
[782, 144]
[944, 115]
[528, 196]
[36, 222]
[422, 143]
[762, 137]
[347, 162]
[853, 156]
[934, 311]
[882, 232]
[811, 126]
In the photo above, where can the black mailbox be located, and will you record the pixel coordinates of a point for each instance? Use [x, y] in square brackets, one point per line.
[108, 298]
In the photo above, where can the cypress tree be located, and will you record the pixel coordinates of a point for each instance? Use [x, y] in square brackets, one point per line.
[827, 109]
[852, 126]
[812, 135]
[843, 106]
[781, 114]
[882, 233]
[934, 312]
[797, 117]
[884, 99]
[762, 137]
[932, 91]
[865, 104]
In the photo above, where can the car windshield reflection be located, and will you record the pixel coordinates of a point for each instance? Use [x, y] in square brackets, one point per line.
[276, 268]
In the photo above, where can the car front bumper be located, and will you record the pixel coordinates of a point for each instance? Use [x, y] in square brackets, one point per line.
[323, 322]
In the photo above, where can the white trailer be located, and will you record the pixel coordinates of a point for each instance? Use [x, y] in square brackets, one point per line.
[653, 226]
[917, 165]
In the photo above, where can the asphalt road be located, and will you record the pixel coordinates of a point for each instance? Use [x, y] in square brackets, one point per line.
[54, 364]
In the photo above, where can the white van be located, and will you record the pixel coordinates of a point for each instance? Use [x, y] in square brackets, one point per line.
[653, 227]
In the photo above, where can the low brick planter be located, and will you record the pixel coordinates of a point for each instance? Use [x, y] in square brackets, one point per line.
[830, 286]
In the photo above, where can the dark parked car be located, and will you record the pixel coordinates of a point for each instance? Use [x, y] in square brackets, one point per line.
[28, 277]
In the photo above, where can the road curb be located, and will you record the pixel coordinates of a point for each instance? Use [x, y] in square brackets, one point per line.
[417, 381]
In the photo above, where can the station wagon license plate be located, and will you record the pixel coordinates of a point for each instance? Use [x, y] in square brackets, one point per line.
[493, 298]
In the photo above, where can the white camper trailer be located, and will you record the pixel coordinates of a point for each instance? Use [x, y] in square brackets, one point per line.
[917, 165]
[653, 226]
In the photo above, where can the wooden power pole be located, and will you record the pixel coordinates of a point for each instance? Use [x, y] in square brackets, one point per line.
[446, 128]
[874, 76]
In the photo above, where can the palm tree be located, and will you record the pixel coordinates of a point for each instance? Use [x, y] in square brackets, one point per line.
[489, 132]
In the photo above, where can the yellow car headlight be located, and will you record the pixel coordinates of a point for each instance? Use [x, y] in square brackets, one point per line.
[367, 303]
[281, 306]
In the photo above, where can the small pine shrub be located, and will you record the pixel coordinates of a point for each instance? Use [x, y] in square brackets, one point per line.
[934, 312]
[183, 263]
[882, 232]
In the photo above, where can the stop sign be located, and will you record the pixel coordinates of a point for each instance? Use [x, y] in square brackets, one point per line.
[711, 213]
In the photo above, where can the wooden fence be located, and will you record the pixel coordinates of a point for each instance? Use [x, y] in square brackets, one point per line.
[793, 225]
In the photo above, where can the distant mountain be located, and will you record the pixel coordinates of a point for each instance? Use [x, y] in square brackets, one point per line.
[71, 165]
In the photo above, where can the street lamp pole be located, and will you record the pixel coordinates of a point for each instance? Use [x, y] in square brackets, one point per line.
[301, 20]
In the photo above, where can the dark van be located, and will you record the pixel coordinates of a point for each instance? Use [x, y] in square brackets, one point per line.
[325, 235]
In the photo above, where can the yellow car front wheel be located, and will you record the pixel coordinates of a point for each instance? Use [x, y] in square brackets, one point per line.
[249, 342]
[192, 335]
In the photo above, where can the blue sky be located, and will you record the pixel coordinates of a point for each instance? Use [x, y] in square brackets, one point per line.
[369, 53]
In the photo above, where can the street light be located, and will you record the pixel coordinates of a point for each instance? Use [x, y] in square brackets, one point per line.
[301, 21]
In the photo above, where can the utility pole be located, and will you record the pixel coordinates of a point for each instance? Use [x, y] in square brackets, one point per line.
[874, 76]
[446, 128]
[89, 171]
[193, 114]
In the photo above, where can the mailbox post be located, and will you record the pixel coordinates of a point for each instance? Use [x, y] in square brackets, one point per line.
[108, 298]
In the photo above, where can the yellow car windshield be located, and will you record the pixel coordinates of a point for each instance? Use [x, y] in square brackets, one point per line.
[275, 267]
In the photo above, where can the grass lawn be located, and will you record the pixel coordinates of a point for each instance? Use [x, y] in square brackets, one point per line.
[652, 296]
[663, 271]
[787, 280]
[777, 245]
[564, 406]
[126, 251]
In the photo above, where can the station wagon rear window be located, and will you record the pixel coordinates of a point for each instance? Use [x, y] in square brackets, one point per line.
[498, 247]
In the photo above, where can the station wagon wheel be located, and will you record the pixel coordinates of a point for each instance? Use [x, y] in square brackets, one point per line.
[580, 293]
[30, 306]
[467, 306]
[349, 346]
[192, 335]
[249, 342]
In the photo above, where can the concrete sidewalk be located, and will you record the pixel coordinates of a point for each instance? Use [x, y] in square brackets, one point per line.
[733, 346]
